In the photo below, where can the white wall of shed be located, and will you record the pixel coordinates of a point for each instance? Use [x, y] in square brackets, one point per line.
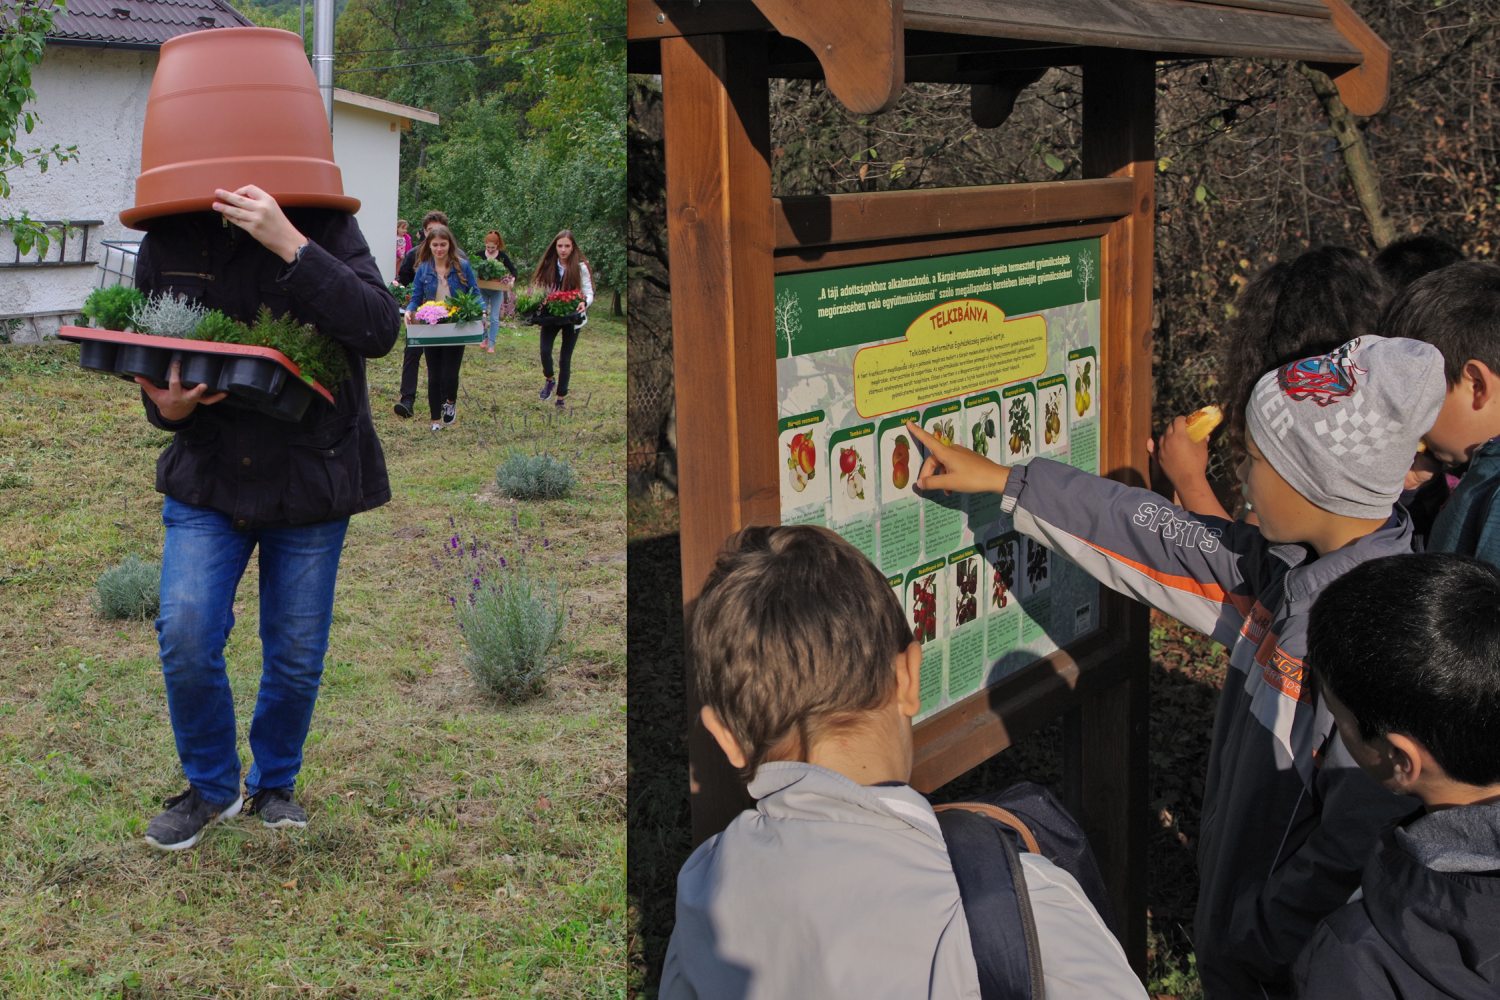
[94, 99]
[367, 149]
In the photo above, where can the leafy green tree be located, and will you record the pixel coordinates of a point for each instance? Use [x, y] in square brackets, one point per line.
[23, 30]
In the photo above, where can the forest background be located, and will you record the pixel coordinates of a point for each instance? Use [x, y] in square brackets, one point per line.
[531, 98]
[1253, 166]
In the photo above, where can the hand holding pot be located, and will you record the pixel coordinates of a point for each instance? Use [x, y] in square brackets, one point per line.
[174, 402]
[257, 213]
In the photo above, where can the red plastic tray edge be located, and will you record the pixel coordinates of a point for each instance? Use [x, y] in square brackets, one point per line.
[80, 333]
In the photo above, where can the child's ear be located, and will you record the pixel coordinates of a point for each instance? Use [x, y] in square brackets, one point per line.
[722, 736]
[909, 679]
[1483, 380]
[1406, 756]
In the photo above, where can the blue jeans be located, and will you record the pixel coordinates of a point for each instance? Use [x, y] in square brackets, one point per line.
[203, 560]
[493, 299]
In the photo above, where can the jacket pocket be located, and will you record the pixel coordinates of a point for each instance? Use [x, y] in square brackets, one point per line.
[322, 474]
[186, 469]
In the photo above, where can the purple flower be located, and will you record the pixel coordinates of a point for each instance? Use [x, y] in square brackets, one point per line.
[454, 543]
[452, 601]
[502, 562]
[476, 583]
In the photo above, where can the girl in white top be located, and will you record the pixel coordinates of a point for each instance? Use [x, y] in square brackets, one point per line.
[562, 268]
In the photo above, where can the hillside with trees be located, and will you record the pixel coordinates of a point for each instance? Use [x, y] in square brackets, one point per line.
[532, 102]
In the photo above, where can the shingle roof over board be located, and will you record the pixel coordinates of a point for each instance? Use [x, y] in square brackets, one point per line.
[140, 24]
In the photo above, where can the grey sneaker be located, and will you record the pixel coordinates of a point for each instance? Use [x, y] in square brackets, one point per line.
[450, 413]
[183, 821]
[547, 388]
[277, 808]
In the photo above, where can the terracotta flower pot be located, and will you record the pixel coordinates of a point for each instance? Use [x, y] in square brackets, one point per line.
[230, 107]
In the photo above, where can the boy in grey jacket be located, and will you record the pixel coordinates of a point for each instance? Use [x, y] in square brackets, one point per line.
[1288, 818]
[1407, 652]
[838, 882]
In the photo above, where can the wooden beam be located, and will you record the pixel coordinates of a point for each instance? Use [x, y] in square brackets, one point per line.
[859, 43]
[1364, 88]
[646, 20]
[1107, 736]
[819, 220]
[716, 122]
[792, 260]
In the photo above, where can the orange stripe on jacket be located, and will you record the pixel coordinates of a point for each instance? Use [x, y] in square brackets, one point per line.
[1187, 584]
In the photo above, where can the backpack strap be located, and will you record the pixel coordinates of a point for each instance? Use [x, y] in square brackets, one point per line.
[992, 886]
[999, 815]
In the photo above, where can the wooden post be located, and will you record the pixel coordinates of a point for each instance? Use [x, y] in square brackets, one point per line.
[1107, 734]
[716, 121]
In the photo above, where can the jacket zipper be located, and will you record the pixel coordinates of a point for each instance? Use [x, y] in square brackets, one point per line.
[187, 274]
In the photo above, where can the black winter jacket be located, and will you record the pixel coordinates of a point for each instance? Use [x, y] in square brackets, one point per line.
[1427, 924]
[260, 471]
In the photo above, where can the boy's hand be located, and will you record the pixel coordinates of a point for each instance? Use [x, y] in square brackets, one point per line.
[952, 467]
[257, 213]
[175, 403]
[1182, 459]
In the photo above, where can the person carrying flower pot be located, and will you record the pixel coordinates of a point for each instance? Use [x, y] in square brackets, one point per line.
[236, 480]
[562, 268]
[442, 270]
[411, 358]
[494, 298]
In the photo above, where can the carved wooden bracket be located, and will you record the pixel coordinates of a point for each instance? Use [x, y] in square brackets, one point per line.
[859, 43]
[1365, 88]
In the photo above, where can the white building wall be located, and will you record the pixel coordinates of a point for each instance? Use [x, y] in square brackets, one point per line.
[94, 99]
[367, 148]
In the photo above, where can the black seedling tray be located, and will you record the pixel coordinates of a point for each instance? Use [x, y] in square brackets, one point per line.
[256, 378]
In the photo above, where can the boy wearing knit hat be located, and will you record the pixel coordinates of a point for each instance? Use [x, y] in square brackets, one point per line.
[1288, 816]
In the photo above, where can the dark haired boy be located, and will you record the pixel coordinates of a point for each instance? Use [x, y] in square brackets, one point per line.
[838, 883]
[1288, 818]
[1406, 651]
[1406, 260]
[1457, 310]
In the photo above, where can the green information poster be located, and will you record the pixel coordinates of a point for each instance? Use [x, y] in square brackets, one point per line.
[996, 350]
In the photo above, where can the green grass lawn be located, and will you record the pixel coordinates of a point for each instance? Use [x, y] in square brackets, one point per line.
[457, 847]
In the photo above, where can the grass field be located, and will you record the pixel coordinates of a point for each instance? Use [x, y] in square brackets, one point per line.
[457, 847]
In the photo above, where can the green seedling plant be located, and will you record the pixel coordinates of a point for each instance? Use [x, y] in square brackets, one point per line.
[112, 308]
[468, 307]
[489, 270]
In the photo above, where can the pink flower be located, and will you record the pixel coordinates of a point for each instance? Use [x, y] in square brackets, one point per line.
[430, 314]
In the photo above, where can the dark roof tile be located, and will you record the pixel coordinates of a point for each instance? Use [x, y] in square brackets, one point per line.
[138, 23]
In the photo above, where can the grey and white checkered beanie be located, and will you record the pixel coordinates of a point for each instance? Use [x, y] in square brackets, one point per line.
[1342, 428]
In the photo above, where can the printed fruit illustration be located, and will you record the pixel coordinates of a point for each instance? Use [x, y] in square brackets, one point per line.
[1201, 423]
[924, 608]
[966, 608]
[1038, 564]
[981, 433]
[1020, 426]
[1052, 427]
[1081, 386]
[802, 461]
[1005, 574]
[852, 469]
[942, 430]
[901, 462]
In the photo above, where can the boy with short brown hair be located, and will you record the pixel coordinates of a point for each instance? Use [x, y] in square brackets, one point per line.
[838, 883]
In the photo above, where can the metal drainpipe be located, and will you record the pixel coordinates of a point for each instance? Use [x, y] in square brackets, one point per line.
[322, 59]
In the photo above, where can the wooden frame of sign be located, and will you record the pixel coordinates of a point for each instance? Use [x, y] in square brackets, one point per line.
[730, 239]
